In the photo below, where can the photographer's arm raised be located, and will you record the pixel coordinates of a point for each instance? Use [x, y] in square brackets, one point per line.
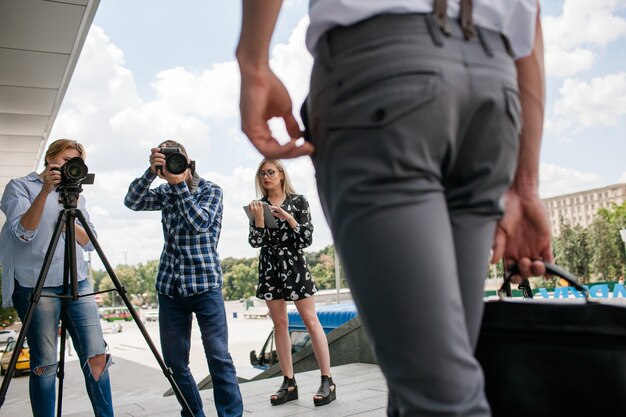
[140, 197]
[51, 178]
[198, 214]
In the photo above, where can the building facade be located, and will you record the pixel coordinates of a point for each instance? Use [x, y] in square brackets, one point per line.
[580, 208]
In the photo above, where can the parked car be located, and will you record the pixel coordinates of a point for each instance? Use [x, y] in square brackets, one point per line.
[23, 361]
[5, 335]
[115, 313]
[152, 315]
[331, 317]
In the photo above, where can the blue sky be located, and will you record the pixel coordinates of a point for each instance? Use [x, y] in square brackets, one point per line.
[155, 69]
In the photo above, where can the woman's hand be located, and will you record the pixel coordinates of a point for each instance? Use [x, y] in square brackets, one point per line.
[278, 211]
[51, 178]
[256, 208]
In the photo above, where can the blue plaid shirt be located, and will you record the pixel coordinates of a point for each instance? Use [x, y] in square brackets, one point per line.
[192, 220]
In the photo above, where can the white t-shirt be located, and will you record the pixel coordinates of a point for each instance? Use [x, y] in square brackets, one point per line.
[513, 18]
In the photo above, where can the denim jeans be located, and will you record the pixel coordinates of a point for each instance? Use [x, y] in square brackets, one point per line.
[175, 318]
[83, 325]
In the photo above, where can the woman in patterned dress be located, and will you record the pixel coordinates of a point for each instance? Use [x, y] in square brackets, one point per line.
[284, 274]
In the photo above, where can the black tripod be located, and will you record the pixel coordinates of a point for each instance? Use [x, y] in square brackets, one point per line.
[66, 221]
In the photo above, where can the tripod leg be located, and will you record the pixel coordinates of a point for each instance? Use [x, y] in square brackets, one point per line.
[122, 292]
[70, 277]
[61, 364]
[36, 295]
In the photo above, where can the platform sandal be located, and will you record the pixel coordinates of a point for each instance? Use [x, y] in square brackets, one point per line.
[327, 392]
[288, 391]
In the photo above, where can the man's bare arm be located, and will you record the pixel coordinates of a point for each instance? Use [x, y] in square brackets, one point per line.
[523, 234]
[263, 95]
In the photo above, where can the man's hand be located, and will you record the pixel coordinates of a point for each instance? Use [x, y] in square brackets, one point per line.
[263, 96]
[158, 168]
[157, 160]
[523, 234]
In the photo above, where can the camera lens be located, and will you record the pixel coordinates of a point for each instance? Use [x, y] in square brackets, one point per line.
[74, 170]
[176, 163]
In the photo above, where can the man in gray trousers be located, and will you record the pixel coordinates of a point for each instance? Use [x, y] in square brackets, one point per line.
[415, 117]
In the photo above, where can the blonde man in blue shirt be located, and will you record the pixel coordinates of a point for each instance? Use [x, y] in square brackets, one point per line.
[31, 206]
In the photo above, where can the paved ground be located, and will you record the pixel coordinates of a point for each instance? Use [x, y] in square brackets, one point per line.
[138, 392]
[138, 383]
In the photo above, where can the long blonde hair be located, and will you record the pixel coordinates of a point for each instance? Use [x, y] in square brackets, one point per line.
[59, 146]
[286, 182]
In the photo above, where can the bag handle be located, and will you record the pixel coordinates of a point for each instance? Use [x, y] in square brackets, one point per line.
[551, 269]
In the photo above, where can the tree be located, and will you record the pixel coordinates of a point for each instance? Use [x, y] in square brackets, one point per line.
[608, 253]
[129, 277]
[572, 251]
[241, 280]
[148, 274]
[98, 276]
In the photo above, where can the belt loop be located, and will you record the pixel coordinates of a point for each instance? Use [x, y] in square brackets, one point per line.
[484, 43]
[507, 45]
[323, 51]
[433, 30]
[440, 10]
[466, 19]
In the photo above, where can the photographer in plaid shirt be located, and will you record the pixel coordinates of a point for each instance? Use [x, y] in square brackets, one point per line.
[190, 276]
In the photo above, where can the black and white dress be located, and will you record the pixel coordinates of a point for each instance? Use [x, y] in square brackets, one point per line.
[283, 271]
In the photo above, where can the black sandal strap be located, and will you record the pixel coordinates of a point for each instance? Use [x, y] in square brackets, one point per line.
[284, 388]
[325, 386]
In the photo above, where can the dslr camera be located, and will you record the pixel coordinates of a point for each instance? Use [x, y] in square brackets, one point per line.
[74, 173]
[175, 161]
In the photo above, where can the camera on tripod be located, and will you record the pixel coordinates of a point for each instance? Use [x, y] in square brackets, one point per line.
[175, 161]
[74, 173]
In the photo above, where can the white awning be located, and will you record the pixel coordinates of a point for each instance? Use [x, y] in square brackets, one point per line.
[40, 42]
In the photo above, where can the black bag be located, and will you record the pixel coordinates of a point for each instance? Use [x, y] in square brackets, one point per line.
[547, 358]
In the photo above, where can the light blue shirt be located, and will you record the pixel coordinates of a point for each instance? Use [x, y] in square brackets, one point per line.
[22, 251]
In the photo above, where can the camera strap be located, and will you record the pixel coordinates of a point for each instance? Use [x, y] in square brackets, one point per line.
[195, 180]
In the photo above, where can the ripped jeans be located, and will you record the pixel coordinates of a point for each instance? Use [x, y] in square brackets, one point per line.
[83, 325]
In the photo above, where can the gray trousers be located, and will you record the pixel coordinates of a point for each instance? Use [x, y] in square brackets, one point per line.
[416, 139]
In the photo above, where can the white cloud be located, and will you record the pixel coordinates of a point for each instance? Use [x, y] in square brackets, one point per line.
[556, 180]
[600, 102]
[561, 63]
[211, 93]
[582, 25]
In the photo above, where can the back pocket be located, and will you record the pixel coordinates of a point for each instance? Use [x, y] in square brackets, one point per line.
[380, 100]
